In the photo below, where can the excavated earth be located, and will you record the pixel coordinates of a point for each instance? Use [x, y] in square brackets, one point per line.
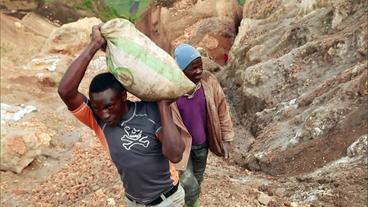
[296, 81]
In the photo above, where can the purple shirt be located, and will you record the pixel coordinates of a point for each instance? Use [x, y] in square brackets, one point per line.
[194, 115]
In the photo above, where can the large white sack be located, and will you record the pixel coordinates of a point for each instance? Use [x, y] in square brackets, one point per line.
[140, 65]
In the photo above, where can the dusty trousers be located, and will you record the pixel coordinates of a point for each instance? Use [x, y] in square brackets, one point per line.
[192, 177]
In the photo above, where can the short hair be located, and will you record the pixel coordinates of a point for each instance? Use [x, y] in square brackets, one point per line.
[104, 81]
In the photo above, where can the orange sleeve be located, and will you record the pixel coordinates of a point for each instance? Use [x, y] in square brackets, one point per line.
[85, 115]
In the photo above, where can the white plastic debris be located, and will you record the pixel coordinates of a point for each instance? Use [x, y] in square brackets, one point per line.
[15, 113]
[292, 102]
[318, 131]
[296, 139]
[48, 63]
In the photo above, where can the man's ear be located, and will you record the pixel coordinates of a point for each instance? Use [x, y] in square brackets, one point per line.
[124, 95]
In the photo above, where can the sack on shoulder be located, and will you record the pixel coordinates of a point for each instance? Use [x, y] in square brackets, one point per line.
[144, 69]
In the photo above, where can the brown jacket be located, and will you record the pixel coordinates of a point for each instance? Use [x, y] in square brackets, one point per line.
[219, 123]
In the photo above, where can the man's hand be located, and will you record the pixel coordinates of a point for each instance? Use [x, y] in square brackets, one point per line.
[227, 148]
[97, 37]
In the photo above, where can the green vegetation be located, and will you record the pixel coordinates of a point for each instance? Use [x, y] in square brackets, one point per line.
[109, 9]
[241, 2]
[108, 13]
[129, 9]
[47, 1]
[70, 19]
[86, 5]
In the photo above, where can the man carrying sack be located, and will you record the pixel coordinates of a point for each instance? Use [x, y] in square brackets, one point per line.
[141, 138]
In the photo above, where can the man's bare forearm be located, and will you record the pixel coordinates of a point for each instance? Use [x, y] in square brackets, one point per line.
[172, 144]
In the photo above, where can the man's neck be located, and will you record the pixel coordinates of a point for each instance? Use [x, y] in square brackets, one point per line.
[126, 107]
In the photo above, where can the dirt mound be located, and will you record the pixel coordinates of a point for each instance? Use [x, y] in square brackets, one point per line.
[38, 24]
[58, 12]
[71, 38]
[15, 33]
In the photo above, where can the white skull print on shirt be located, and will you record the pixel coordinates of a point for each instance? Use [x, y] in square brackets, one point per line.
[134, 137]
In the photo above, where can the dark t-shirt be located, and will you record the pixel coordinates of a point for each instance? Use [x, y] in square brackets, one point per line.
[135, 150]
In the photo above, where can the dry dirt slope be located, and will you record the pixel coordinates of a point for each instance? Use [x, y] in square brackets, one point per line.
[64, 175]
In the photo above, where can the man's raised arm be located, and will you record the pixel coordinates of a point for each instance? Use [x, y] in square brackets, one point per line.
[68, 87]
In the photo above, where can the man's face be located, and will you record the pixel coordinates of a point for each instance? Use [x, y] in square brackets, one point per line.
[194, 70]
[109, 105]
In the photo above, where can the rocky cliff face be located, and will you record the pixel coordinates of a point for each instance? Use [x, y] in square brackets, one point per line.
[211, 25]
[300, 74]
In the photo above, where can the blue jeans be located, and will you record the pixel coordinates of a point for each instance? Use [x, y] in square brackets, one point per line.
[192, 177]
